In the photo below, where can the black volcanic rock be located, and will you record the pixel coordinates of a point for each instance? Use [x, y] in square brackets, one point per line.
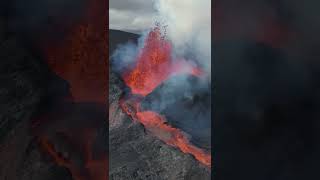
[137, 155]
[26, 84]
[21, 84]
[21, 158]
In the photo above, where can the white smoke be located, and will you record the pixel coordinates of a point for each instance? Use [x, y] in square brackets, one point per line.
[188, 27]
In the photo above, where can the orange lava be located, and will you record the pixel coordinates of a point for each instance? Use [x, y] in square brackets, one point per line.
[174, 136]
[154, 65]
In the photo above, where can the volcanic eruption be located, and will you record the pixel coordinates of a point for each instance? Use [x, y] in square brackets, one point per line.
[160, 97]
[154, 65]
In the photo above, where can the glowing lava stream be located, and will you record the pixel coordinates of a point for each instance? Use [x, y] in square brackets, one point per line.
[90, 170]
[154, 65]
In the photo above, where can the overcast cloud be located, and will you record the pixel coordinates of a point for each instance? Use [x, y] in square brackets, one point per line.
[129, 15]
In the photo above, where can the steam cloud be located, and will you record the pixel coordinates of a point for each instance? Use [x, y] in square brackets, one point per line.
[188, 27]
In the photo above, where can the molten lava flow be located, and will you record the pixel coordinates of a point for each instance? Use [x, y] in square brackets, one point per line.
[90, 170]
[156, 124]
[174, 137]
[154, 65]
[69, 134]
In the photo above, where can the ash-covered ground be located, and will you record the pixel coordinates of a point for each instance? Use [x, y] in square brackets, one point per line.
[136, 154]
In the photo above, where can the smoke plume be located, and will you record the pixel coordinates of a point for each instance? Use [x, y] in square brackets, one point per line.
[188, 27]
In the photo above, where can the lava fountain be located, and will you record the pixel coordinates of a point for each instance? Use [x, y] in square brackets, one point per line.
[154, 65]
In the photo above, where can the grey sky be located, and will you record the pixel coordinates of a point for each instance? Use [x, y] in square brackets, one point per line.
[130, 15]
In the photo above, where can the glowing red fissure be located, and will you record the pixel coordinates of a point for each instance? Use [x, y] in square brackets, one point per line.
[154, 65]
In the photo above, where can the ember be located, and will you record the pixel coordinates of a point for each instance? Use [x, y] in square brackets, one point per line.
[154, 65]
